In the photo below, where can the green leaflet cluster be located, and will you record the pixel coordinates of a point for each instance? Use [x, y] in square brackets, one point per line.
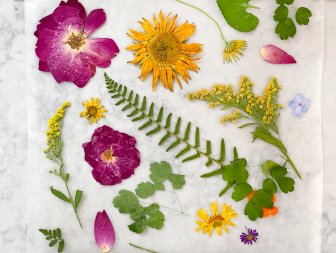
[155, 123]
[150, 216]
[285, 27]
[55, 237]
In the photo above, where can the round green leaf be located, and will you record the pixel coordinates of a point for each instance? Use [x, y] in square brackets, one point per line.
[302, 16]
[126, 201]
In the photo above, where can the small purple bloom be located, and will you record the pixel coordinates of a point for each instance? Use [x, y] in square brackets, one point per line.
[64, 46]
[112, 155]
[300, 105]
[104, 232]
[250, 237]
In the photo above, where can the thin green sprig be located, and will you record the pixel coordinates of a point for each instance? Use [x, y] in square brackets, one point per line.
[142, 248]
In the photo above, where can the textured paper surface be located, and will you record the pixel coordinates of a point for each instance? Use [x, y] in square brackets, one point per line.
[295, 229]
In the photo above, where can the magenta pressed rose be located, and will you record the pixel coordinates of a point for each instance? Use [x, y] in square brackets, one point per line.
[104, 232]
[112, 155]
[64, 46]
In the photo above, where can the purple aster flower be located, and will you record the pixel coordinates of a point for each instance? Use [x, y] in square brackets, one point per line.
[64, 46]
[300, 105]
[104, 232]
[112, 155]
[249, 237]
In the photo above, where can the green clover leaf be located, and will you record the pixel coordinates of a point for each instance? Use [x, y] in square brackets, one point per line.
[302, 16]
[241, 191]
[145, 190]
[177, 181]
[157, 220]
[285, 29]
[160, 172]
[281, 13]
[126, 201]
[286, 184]
[152, 209]
[139, 225]
[236, 172]
[269, 186]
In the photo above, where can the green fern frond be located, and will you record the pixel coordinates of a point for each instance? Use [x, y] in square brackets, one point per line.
[55, 237]
[173, 137]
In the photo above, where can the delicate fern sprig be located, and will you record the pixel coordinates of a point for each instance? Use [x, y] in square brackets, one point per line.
[55, 237]
[155, 123]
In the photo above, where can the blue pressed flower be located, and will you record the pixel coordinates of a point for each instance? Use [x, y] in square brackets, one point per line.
[300, 105]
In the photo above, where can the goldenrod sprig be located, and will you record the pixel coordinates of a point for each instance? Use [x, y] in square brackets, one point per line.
[54, 153]
[262, 111]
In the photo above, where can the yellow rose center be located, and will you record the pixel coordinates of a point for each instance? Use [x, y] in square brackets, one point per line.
[107, 156]
[165, 48]
[217, 221]
[92, 110]
[76, 41]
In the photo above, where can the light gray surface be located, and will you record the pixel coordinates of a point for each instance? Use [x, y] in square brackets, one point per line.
[13, 152]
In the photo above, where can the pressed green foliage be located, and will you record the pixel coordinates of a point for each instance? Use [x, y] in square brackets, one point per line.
[152, 209]
[156, 220]
[281, 13]
[139, 225]
[260, 199]
[241, 191]
[177, 181]
[266, 166]
[236, 172]
[286, 184]
[160, 172]
[126, 201]
[55, 237]
[59, 195]
[288, 2]
[269, 185]
[137, 212]
[236, 14]
[145, 190]
[285, 29]
[302, 16]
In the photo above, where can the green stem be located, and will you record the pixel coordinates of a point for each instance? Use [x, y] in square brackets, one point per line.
[212, 19]
[142, 248]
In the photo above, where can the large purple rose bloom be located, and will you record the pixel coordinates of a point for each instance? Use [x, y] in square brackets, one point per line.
[64, 46]
[112, 155]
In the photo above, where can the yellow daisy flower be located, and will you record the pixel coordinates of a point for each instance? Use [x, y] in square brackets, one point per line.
[94, 111]
[217, 220]
[233, 50]
[162, 49]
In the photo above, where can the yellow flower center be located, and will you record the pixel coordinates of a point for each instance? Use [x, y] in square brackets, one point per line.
[249, 237]
[76, 41]
[107, 156]
[217, 221]
[165, 48]
[92, 110]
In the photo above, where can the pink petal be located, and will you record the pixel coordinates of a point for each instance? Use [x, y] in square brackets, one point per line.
[104, 232]
[47, 22]
[43, 66]
[95, 19]
[273, 54]
[75, 4]
[101, 51]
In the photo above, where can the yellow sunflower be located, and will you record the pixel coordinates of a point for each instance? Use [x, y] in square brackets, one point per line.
[94, 111]
[162, 49]
[217, 220]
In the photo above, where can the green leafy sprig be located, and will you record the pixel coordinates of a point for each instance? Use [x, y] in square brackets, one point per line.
[54, 153]
[55, 238]
[150, 216]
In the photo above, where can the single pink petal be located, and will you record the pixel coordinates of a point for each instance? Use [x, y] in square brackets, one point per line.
[101, 51]
[77, 5]
[104, 232]
[95, 19]
[273, 54]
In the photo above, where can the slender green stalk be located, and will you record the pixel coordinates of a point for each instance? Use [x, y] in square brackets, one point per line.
[211, 18]
[142, 248]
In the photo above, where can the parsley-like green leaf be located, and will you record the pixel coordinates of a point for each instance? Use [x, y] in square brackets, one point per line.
[286, 184]
[260, 199]
[126, 201]
[137, 213]
[266, 166]
[241, 191]
[281, 13]
[152, 209]
[157, 220]
[177, 181]
[302, 16]
[159, 186]
[139, 225]
[236, 172]
[145, 190]
[288, 2]
[55, 237]
[285, 29]
[269, 186]
[235, 14]
[160, 172]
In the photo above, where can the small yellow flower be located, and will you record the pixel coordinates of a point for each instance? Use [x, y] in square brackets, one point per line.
[94, 111]
[217, 220]
[233, 50]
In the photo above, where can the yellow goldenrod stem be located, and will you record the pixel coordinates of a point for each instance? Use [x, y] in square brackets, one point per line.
[211, 18]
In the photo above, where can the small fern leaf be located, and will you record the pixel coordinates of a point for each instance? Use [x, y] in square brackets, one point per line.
[190, 158]
[130, 96]
[133, 113]
[235, 153]
[151, 110]
[159, 117]
[187, 132]
[154, 131]
[136, 100]
[144, 104]
[208, 147]
[197, 138]
[183, 151]
[177, 126]
[119, 88]
[173, 145]
[121, 101]
[141, 117]
[116, 96]
[125, 108]
[209, 163]
[164, 138]
[147, 124]
[168, 120]
[124, 91]
[222, 151]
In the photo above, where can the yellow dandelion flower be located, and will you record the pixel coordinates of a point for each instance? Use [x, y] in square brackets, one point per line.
[233, 50]
[162, 49]
[218, 220]
[94, 111]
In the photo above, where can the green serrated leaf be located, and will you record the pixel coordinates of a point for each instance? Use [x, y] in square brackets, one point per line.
[236, 172]
[137, 213]
[286, 184]
[126, 201]
[285, 29]
[261, 199]
[59, 195]
[288, 2]
[303, 15]
[159, 186]
[241, 191]
[152, 209]
[160, 171]
[121, 101]
[157, 220]
[78, 198]
[139, 225]
[266, 166]
[145, 190]
[281, 13]
[177, 181]
[269, 186]
[133, 113]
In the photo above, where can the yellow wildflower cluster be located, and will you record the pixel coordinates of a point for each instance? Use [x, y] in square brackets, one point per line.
[245, 93]
[233, 117]
[54, 142]
[270, 99]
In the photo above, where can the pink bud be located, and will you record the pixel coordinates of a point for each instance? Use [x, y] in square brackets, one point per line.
[104, 232]
[273, 54]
